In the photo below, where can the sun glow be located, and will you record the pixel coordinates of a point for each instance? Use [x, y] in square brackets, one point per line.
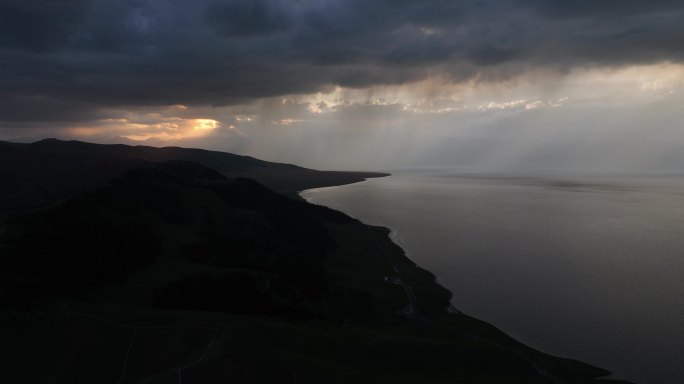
[203, 125]
[156, 127]
[178, 129]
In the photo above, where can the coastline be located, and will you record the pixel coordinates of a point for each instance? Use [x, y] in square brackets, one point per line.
[428, 303]
[311, 293]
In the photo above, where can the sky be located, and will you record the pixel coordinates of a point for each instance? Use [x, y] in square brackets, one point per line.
[500, 85]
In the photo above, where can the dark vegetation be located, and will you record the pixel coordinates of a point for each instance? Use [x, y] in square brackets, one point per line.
[99, 236]
[238, 292]
[71, 248]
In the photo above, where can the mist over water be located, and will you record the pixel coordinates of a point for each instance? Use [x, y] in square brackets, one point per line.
[585, 267]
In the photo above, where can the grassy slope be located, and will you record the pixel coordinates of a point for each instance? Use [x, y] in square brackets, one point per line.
[72, 348]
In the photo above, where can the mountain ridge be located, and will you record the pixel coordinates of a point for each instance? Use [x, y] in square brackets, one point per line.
[50, 169]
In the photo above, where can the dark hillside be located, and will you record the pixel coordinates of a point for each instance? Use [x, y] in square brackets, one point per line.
[35, 174]
[191, 212]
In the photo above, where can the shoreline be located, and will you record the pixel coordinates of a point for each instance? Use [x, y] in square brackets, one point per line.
[544, 364]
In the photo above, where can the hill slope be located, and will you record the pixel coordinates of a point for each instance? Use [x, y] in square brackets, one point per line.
[37, 173]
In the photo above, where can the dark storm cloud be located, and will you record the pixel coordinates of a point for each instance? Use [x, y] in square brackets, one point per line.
[249, 18]
[602, 8]
[67, 59]
[38, 25]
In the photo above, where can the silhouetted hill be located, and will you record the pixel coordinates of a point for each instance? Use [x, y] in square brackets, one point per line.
[180, 211]
[222, 161]
[38, 173]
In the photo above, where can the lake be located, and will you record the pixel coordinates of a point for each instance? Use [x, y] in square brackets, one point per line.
[588, 267]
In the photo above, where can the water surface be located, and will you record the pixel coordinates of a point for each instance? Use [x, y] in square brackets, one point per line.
[590, 268]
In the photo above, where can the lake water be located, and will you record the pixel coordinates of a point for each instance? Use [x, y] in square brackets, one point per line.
[590, 268]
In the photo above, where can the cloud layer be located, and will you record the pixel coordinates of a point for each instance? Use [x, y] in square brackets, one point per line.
[76, 60]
